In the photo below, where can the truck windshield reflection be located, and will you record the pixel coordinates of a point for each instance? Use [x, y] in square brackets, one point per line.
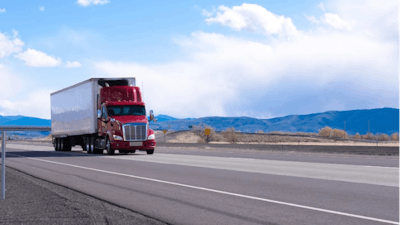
[130, 110]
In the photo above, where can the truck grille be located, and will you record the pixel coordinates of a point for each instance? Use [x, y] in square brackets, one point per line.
[135, 132]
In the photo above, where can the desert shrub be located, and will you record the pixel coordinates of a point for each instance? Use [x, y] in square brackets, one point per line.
[383, 137]
[357, 136]
[369, 136]
[230, 135]
[199, 131]
[325, 132]
[394, 137]
[336, 133]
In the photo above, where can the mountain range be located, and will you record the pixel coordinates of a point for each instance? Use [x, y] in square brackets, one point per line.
[382, 120]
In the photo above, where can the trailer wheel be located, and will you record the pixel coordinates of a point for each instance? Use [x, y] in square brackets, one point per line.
[150, 152]
[61, 144]
[56, 147]
[88, 145]
[84, 144]
[109, 149]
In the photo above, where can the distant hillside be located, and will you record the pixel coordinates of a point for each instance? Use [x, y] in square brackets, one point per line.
[162, 118]
[383, 120]
[25, 121]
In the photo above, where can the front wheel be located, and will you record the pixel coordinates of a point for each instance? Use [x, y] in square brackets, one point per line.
[109, 149]
[150, 152]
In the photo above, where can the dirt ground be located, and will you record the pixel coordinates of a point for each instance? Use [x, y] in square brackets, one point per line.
[190, 137]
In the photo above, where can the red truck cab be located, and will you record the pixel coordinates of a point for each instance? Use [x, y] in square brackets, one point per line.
[122, 120]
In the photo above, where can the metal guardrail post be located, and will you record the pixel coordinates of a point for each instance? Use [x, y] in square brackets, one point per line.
[3, 130]
[3, 165]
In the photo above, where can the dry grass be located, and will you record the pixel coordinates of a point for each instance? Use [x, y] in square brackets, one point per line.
[230, 135]
[368, 136]
[394, 137]
[383, 137]
[200, 131]
[356, 136]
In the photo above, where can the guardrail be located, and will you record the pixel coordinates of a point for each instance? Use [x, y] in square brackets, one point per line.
[3, 130]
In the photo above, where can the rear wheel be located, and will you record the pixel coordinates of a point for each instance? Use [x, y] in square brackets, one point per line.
[109, 149]
[61, 144]
[84, 144]
[88, 145]
[56, 147]
[150, 152]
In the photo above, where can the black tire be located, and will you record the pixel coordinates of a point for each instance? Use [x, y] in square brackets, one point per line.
[109, 149]
[61, 144]
[88, 145]
[84, 144]
[56, 147]
[95, 150]
[150, 152]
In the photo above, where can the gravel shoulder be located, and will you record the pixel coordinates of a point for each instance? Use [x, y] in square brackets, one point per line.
[30, 200]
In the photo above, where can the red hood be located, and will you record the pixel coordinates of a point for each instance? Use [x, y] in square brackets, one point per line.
[131, 119]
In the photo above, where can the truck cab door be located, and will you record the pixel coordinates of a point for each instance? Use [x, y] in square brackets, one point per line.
[102, 122]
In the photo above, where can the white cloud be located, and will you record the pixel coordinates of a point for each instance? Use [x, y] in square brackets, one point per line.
[36, 104]
[333, 20]
[91, 2]
[253, 17]
[41, 8]
[73, 64]
[2, 10]
[10, 84]
[321, 6]
[17, 97]
[35, 58]
[229, 76]
[9, 45]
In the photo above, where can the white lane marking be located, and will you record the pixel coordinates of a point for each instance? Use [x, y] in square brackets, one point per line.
[221, 192]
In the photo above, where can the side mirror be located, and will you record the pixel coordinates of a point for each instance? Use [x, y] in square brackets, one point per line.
[151, 115]
[98, 114]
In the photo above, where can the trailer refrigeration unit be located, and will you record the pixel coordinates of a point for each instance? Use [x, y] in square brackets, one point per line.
[101, 113]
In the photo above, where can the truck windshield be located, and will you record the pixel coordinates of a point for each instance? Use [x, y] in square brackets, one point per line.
[129, 110]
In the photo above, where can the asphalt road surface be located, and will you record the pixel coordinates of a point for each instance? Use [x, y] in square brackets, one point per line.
[211, 186]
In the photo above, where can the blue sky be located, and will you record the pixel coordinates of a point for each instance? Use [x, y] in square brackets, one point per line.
[211, 58]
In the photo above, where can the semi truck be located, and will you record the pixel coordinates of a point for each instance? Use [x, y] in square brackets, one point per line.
[101, 114]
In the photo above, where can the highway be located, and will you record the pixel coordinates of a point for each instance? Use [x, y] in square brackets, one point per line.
[222, 186]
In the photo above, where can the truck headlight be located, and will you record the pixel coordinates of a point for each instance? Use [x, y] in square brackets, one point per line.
[151, 137]
[118, 138]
